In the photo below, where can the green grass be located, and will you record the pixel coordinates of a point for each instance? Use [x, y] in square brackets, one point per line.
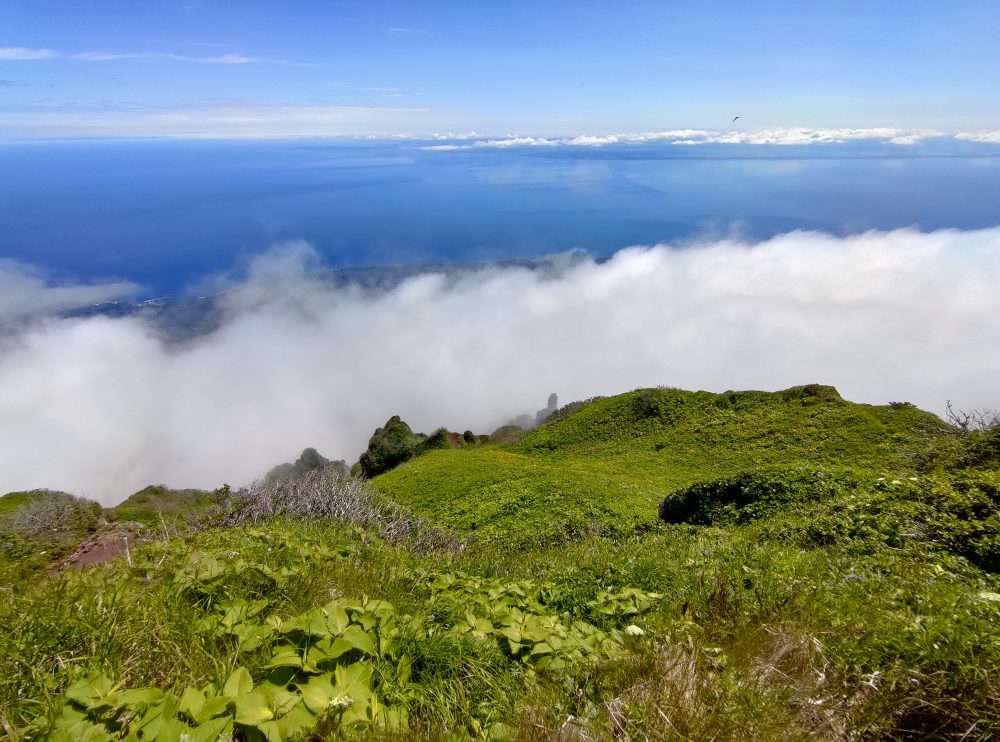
[157, 504]
[14, 501]
[744, 628]
[830, 572]
[607, 466]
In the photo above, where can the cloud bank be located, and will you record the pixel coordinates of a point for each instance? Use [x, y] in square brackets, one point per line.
[101, 406]
[793, 136]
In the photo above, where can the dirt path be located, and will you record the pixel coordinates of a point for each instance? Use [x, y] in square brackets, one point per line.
[103, 546]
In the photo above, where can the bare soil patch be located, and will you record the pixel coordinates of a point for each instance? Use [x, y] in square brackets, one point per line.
[103, 546]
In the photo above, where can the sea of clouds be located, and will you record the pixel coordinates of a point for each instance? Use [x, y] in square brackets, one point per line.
[102, 405]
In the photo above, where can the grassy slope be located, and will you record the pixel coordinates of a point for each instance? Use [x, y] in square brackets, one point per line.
[13, 501]
[73, 519]
[176, 506]
[56, 524]
[609, 464]
[856, 615]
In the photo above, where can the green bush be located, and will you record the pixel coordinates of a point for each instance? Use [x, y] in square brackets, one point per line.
[751, 495]
[390, 446]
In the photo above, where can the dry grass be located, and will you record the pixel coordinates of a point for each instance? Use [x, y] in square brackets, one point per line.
[326, 494]
[767, 686]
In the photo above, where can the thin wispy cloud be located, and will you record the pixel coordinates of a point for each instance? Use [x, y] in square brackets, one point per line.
[115, 56]
[200, 44]
[16, 53]
[218, 121]
[383, 92]
[20, 53]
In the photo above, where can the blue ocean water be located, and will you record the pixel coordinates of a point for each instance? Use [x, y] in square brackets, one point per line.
[165, 213]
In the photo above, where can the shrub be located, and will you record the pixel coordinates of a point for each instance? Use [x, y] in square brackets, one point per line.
[749, 495]
[55, 516]
[389, 447]
[325, 494]
[507, 434]
[568, 409]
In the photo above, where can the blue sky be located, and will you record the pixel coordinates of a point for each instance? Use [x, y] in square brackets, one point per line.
[250, 68]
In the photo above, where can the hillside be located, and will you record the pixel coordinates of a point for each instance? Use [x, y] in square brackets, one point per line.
[157, 505]
[39, 526]
[606, 466]
[656, 565]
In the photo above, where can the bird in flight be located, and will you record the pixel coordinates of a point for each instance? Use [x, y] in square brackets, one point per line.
[734, 119]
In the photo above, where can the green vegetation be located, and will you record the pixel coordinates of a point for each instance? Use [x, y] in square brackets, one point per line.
[606, 467]
[657, 565]
[40, 526]
[157, 506]
[395, 443]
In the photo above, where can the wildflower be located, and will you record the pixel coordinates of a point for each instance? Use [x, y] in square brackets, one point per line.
[340, 702]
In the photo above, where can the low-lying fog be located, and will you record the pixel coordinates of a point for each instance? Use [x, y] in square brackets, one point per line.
[102, 405]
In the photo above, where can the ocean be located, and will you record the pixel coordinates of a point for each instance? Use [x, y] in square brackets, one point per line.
[167, 213]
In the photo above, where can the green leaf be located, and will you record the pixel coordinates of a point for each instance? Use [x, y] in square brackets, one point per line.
[211, 730]
[271, 731]
[68, 716]
[193, 703]
[337, 620]
[251, 637]
[136, 697]
[90, 690]
[298, 723]
[541, 648]
[284, 701]
[235, 611]
[169, 730]
[215, 706]
[513, 633]
[81, 731]
[160, 721]
[317, 693]
[253, 709]
[239, 683]
[285, 656]
[354, 681]
[354, 637]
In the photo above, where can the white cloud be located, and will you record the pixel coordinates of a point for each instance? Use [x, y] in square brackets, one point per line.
[786, 136]
[22, 54]
[821, 136]
[102, 407]
[990, 137]
[26, 292]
